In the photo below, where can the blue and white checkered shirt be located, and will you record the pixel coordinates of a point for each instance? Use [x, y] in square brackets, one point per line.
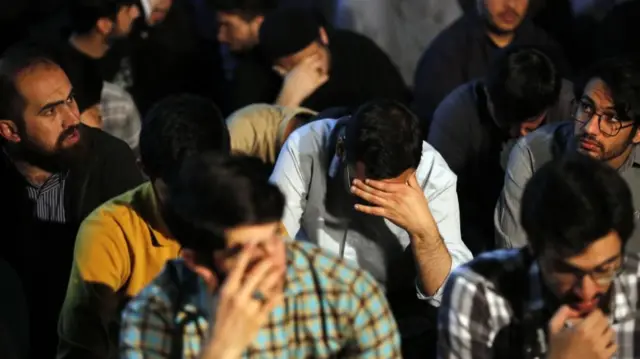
[330, 308]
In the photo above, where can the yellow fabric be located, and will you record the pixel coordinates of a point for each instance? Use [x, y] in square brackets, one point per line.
[257, 130]
[115, 247]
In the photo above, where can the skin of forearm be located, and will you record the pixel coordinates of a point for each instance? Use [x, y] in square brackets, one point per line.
[433, 261]
[288, 99]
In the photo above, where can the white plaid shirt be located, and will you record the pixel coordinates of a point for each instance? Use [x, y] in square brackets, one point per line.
[120, 116]
[500, 292]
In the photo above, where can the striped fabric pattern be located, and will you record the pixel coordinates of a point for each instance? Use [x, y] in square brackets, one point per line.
[48, 199]
[330, 309]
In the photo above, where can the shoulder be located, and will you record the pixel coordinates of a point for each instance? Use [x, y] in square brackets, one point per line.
[433, 172]
[448, 41]
[544, 136]
[460, 105]
[161, 295]
[313, 267]
[120, 214]
[311, 137]
[104, 144]
[497, 271]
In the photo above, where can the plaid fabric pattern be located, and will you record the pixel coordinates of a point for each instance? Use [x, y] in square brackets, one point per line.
[120, 116]
[474, 308]
[330, 309]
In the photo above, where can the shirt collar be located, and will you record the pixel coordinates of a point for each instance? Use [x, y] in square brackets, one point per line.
[152, 215]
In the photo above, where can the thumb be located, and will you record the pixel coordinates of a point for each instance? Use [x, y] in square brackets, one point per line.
[560, 318]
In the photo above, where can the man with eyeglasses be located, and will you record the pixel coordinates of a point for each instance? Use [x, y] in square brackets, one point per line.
[606, 117]
[571, 293]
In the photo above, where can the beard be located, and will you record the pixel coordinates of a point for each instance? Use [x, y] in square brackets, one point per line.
[603, 154]
[60, 158]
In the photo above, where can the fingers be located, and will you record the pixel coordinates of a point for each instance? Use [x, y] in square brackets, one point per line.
[385, 186]
[595, 321]
[562, 315]
[369, 194]
[374, 211]
[257, 275]
[235, 276]
[271, 281]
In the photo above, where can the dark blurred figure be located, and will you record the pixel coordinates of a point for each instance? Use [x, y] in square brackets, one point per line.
[14, 317]
[167, 55]
[325, 68]
[465, 50]
[252, 77]
[617, 33]
[54, 172]
[476, 125]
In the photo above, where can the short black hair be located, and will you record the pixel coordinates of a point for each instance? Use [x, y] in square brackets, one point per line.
[245, 9]
[215, 192]
[384, 135]
[522, 83]
[86, 13]
[572, 202]
[622, 77]
[288, 30]
[87, 86]
[15, 60]
[178, 127]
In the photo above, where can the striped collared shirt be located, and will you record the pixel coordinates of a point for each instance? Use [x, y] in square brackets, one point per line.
[487, 300]
[330, 308]
[48, 199]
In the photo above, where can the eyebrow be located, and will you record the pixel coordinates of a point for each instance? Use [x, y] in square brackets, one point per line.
[603, 263]
[586, 97]
[51, 105]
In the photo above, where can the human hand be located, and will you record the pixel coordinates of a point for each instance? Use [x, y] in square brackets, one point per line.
[404, 204]
[303, 80]
[590, 338]
[247, 298]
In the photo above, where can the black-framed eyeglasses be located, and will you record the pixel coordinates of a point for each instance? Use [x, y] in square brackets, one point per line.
[609, 124]
[603, 275]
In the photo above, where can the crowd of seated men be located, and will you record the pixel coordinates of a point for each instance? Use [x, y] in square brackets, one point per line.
[292, 197]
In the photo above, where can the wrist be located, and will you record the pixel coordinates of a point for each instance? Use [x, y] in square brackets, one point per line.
[215, 351]
[287, 99]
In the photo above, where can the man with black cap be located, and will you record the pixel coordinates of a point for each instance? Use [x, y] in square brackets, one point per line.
[325, 68]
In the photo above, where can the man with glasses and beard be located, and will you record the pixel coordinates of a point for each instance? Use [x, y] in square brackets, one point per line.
[606, 118]
[54, 171]
[571, 293]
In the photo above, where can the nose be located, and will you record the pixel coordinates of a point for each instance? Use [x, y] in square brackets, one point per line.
[592, 126]
[70, 116]
[222, 36]
[588, 288]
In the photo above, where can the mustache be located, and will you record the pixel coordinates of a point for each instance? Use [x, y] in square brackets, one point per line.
[68, 132]
[511, 12]
[592, 139]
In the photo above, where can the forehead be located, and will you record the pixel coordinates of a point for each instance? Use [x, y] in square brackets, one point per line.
[598, 252]
[598, 91]
[43, 83]
[230, 18]
[252, 233]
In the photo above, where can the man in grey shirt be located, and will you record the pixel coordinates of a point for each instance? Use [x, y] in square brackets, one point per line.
[606, 117]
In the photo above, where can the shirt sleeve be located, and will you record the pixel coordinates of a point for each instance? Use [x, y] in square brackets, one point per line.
[446, 212]
[146, 330]
[509, 232]
[466, 325]
[291, 176]
[101, 266]
[375, 328]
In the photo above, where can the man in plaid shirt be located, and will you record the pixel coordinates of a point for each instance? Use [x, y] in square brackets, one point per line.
[572, 293]
[242, 291]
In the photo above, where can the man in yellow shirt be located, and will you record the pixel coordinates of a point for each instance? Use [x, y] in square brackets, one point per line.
[125, 243]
